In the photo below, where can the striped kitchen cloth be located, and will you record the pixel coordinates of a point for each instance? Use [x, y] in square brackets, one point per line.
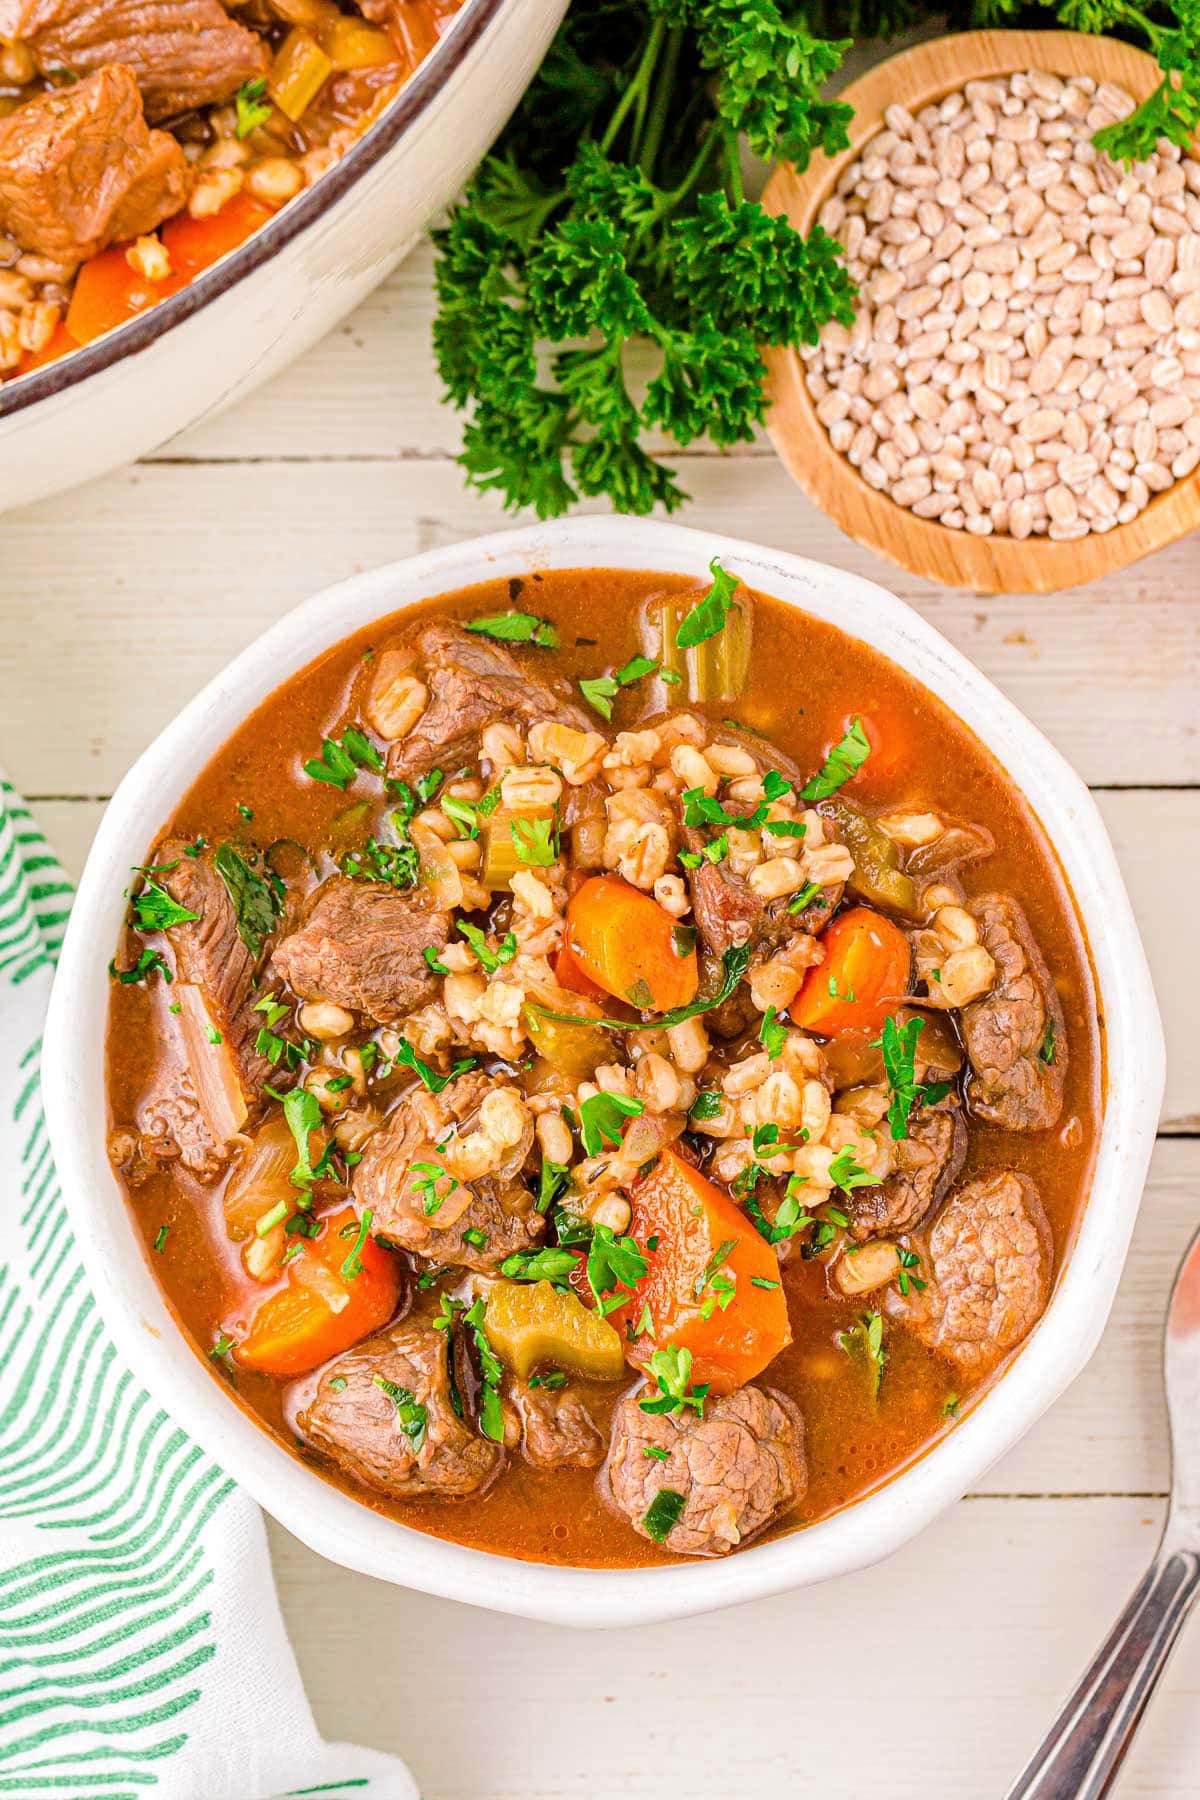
[142, 1651]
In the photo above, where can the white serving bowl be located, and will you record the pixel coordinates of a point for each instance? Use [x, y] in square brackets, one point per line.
[329, 1520]
[250, 314]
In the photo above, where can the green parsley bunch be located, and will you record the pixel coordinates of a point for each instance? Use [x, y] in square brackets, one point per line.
[609, 229]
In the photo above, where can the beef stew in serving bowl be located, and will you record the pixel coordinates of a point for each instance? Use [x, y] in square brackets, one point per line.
[605, 1067]
[141, 140]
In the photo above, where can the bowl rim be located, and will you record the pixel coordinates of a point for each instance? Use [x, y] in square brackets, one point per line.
[342, 1528]
[395, 122]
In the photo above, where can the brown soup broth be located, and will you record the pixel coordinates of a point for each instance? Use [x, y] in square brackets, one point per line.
[807, 679]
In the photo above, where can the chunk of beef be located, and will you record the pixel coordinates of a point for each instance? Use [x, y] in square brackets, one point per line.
[927, 1163]
[987, 1265]
[472, 683]
[79, 169]
[500, 1207]
[182, 53]
[726, 908]
[361, 946]
[1014, 1035]
[558, 1432]
[384, 1413]
[171, 1128]
[216, 984]
[737, 1468]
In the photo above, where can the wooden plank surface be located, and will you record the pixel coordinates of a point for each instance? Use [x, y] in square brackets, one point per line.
[935, 1673]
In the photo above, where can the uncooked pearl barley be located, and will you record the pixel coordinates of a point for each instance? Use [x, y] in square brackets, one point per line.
[1026, 355]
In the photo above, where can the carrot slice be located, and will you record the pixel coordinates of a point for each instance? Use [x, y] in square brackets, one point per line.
[308, 1321]
[628, 945]
[863, 978]
[570, 973]
[705, 1251]
[195, 244]
[108, 291]
[61, 342]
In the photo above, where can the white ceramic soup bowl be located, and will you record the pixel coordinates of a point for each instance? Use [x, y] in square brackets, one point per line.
[254, 311]
[330, 1520]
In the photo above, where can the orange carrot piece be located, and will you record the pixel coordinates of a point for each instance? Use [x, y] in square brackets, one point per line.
[702, 1236]
[864, 976]
[625, 942]
[305, 1323]
[61, 342]
[108, 291]
[195, 244]
[570, 973]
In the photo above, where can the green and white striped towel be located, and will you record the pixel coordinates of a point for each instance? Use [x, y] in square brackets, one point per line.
[142, 1651]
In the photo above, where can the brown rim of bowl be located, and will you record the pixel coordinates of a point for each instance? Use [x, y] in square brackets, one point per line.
[126, 340]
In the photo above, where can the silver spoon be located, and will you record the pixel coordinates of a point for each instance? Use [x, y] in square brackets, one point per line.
[1084, 1749]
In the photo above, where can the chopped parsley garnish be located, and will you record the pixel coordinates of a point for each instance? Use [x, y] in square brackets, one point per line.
[489, 960]
[268, 1043]
[147, 964]
[600, 691]
[160, 1237]
[553, 1182]
[255, 901]
[683, 939]
[516, 628]
[407, 1058]
[154, 909]
[615, 1265]
[424, 1177]
[411, 1416]
[863, 1342]
[772, 1033]
[338, 764]
[672, 1370]
[461, 813]
[706, 1105]
[847, 1174]
[394, 865]
[715, 1287]
[213, 1035]
[663, 1514]
[844, 761]
[790, 1216]
[659, 1454]
[640, 995]
[476, 1238]
[553, 1378]
[491, 1413]
[253, 107]
[710, 612]
[223, 1345]
[430, 956]
[535, 841]
[805, 897]
[634, 669]
[550, 1263]
[909, 1260]
[1047, 1048]
[353, 1263]
[338, 1383]
[303, 1116]
[899, 1046]
[247, 812]
[600, 1120]
[763, 1281]
[950, 1406]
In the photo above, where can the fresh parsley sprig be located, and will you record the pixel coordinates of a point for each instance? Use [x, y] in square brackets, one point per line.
[612, 213]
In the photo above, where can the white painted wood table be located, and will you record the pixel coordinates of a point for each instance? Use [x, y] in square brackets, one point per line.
[933, 1675]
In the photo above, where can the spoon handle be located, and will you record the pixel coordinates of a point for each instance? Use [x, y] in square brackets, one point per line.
[1080, 1756]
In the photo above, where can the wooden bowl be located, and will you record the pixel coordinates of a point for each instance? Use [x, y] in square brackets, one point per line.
[997, 564]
